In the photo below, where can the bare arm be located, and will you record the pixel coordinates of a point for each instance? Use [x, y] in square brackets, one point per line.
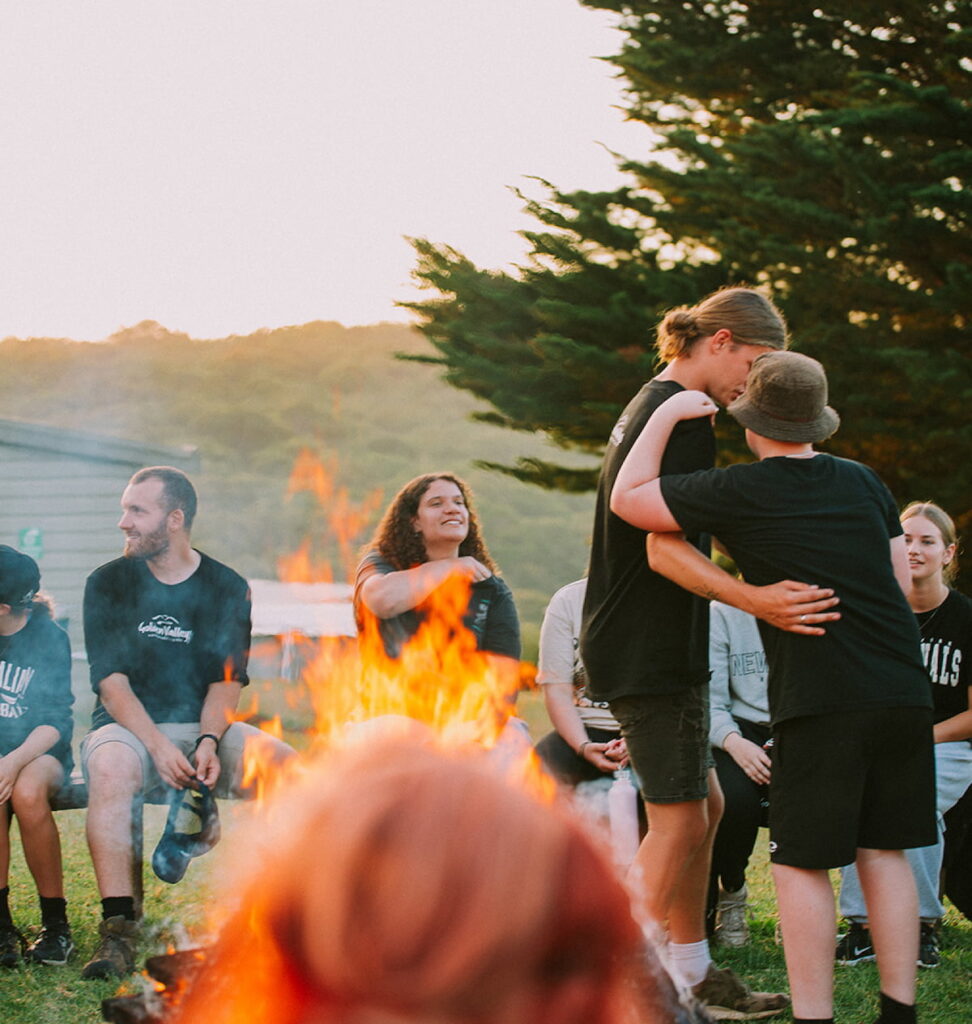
[636, 496]
[38, 742]
[389, 594]
[221, 701]
[559, 701]
[127, 710]
[788, 605]
[958, 727]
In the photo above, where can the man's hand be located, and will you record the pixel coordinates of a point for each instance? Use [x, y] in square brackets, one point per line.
[207, 762]
[172, 765]
[751, 757]
[794, 607]
[689, 405]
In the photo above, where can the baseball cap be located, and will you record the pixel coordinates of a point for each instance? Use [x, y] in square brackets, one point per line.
[19, 577]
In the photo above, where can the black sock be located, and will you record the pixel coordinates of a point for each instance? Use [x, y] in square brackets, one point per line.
[813, 1020]
[53, 910]
[5, 917]
[893, 1012]
[118, 906]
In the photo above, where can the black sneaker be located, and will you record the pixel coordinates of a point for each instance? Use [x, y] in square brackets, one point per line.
[854, 947]
[11, 946]
[928, 954]
[53, 946]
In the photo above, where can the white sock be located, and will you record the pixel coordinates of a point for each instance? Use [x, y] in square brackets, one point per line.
[690, 961]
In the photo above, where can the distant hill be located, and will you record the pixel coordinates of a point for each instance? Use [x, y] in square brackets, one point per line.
[251, 403]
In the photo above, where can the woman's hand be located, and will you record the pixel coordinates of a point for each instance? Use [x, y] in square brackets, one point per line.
[751, 757]
[471, 568]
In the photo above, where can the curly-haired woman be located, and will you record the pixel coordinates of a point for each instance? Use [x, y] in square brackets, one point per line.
[430, 534]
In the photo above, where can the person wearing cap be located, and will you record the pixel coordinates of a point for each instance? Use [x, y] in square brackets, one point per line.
[167, 631]
[853, 767]
[644, 640]
[35, 754]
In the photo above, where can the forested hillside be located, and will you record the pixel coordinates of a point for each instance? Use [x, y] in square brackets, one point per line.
[250, 404]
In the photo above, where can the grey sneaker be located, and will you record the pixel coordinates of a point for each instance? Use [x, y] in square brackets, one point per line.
[727, 997]
[115, 955]
[731, 927]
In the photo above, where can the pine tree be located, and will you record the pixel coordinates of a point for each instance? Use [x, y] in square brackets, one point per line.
[820, 150]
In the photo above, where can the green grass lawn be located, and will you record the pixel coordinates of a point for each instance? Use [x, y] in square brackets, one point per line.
[176, 914]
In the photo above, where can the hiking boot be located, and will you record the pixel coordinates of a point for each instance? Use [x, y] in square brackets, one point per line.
[52, 947]
[854, 946]
[731, 927]
[11, 946]
[727, 997]
[115, 955]
[928, 955]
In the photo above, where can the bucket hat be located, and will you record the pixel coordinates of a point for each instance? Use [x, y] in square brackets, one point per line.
[786, 399]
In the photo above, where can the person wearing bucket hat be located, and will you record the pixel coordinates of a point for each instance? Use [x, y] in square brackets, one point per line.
[853, 765]
[644, 641]
[35, 754]
[167, 631]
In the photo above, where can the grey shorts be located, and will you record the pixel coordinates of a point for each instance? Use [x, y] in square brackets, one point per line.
[668, 743]
[184, 736]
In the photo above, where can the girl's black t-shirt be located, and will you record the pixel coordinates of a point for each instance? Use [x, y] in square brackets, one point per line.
[946, 647]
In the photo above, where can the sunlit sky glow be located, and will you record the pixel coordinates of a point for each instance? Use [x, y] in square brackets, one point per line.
[224, 166]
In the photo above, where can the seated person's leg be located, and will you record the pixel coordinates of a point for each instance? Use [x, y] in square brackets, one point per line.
[238, 744]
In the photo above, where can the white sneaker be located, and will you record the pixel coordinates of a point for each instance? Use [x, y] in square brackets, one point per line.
[731, 927]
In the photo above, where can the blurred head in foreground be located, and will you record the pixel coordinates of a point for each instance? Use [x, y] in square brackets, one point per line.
[410, 885]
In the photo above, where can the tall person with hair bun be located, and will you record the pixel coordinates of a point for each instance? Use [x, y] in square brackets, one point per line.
[644, 640]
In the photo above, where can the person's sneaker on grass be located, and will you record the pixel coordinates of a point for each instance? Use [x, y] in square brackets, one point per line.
[727, 997]
[115, 955]
[11, 946]
[928, 952]
[53, 946]
[731, 927]
[854, 946]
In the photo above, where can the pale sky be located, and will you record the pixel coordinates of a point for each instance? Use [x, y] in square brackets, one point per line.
[225, 165]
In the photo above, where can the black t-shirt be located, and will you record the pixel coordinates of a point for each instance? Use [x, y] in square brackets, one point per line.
[172, 641]
[490, 615]
[946, 647]
[826, 521]
[641, 633]
[35, 685]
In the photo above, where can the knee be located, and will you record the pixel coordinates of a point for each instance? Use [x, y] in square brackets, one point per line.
[113, 770]
[30, 800]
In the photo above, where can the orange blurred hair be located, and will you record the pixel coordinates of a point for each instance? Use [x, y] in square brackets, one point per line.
[414, 886]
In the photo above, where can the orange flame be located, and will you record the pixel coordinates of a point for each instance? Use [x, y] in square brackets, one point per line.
[344, 520]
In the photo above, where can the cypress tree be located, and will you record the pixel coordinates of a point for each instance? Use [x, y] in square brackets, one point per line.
[819, 150]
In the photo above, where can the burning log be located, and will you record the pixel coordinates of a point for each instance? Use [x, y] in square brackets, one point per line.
[167, 977]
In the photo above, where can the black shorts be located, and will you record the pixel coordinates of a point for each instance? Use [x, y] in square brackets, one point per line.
[668, 743]
[848, 780]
